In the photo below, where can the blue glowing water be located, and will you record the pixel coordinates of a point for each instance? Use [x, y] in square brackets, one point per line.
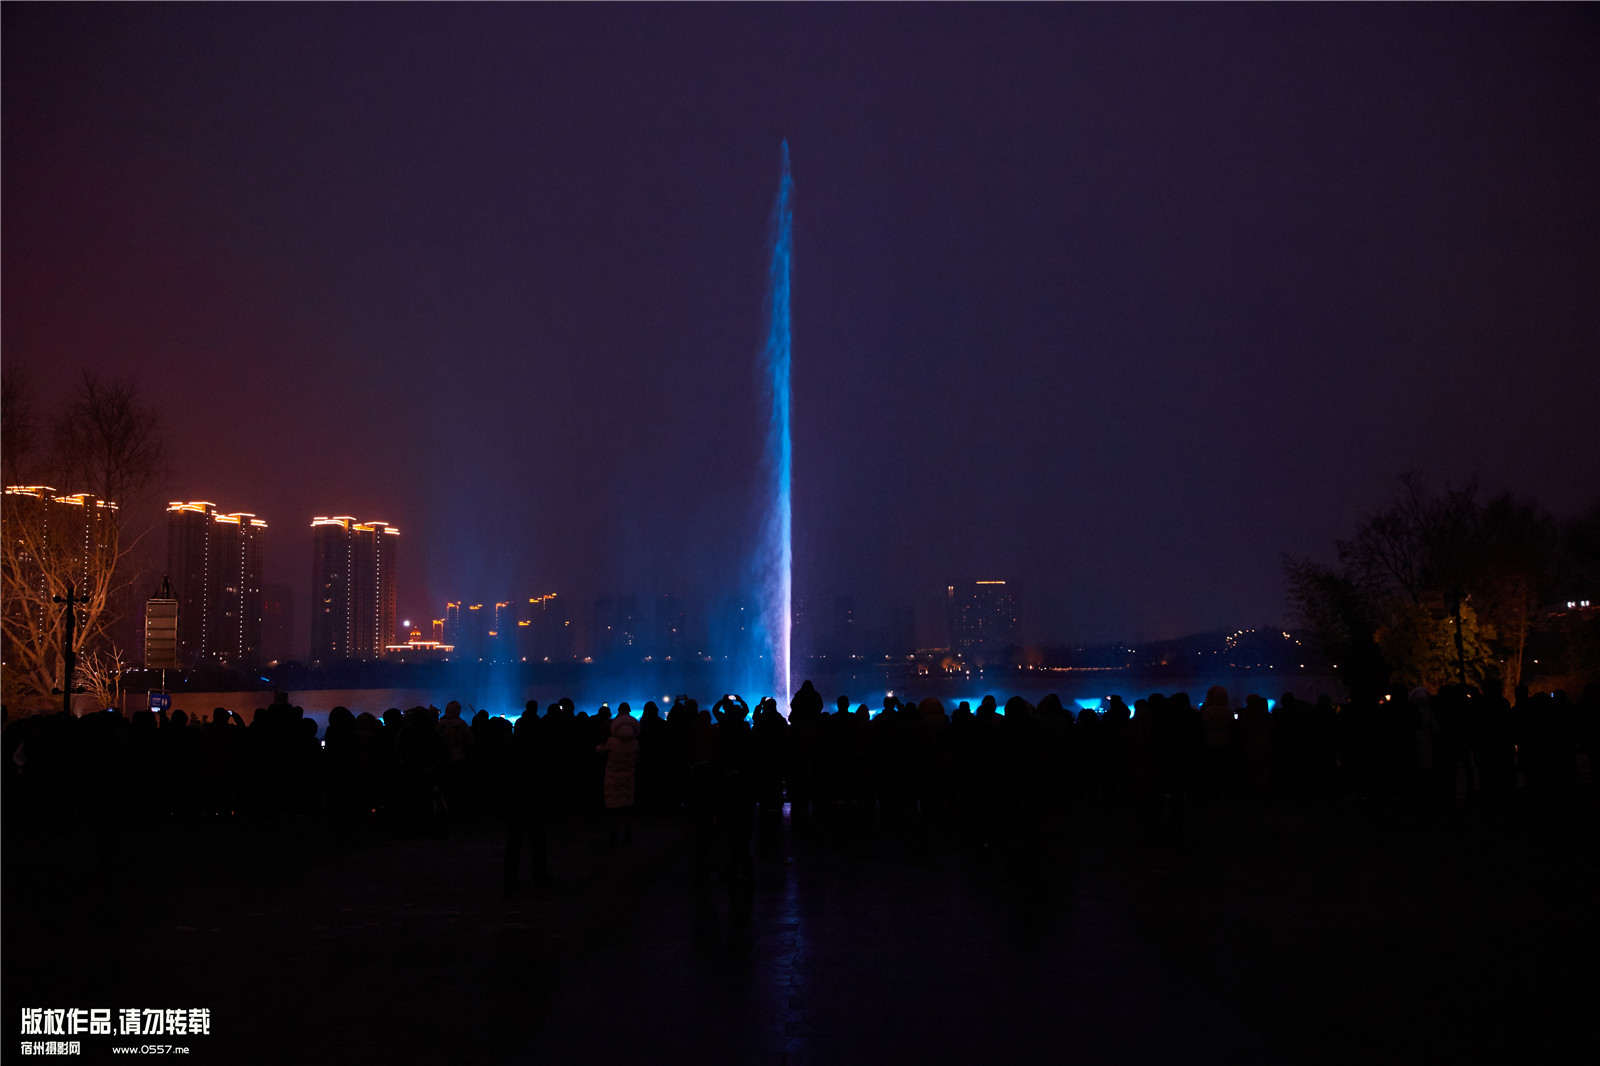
[772, 567]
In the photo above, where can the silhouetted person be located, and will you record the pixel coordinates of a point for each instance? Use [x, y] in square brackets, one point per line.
[455, 739]
[105, 737]
[307, 759]
[1086, 741]
[1499, 747]
[736, 799]
[679, 739]
[371, 770]
[418, 754]
[1218, 727]
[339, 750]
[1174, 746]
[652, 757]
[769, 743]
[1290, 742]
[221, 743]
[181, 760]
[1255, 745]
[527, 791]
[931, 770]
[805, 755]
[1113, 747]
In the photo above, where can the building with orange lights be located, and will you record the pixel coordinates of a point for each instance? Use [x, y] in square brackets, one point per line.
[545, 632]
[417, 650]
[352, 589]
[214, 563]
[983, 620]
[54, 539]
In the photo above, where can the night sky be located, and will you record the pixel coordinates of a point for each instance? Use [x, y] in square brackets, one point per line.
[1120, 303]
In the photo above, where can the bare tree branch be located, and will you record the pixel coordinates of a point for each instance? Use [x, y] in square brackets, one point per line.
[108, 442]
[108, 449]
[19, 430]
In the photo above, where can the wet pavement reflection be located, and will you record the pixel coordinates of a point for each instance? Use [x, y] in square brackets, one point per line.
[887, 952]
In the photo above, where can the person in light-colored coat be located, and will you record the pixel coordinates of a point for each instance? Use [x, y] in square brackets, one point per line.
[621, 750]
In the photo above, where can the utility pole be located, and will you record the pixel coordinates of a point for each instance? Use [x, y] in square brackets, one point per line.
[1461, 649]
[69, 657]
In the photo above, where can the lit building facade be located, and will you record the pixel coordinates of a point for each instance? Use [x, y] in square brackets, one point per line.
[277, 624]
[473, 639]
[502, 633]
[353, 588]
[546, 633]
[54, 539]
[214, 563]
[983, 620]
[615, 633]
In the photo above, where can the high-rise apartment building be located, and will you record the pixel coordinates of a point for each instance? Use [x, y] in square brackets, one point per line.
[983, 619]
[503, 633]
[56, 540]
[214, 563]
[846, 635]
[277, 624]
[546, 633]
[473, 641]
[671, 628]
[352, 588]
[615, 633]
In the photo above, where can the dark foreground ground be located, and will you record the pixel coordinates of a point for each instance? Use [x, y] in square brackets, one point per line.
[1352, 931]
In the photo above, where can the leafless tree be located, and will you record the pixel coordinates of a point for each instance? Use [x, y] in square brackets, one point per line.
[1421, 541]
[107, 441]
[107, 449]
[19, 431]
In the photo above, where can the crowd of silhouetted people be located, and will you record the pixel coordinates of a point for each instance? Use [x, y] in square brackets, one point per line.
[911, 765]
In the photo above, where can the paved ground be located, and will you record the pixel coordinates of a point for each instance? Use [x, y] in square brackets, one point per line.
[1357, 931]
[884, 957]
[310, 946]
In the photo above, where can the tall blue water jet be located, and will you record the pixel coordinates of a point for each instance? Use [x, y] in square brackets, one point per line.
[773, 563]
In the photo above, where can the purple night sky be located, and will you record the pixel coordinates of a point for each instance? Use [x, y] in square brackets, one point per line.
[1117, 302]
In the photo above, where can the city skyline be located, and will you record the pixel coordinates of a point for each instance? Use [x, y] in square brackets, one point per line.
[1121, 303]
[201, 541]
[978, 622]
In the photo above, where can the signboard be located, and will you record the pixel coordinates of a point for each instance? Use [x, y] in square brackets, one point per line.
[161, 634]
[160, 701]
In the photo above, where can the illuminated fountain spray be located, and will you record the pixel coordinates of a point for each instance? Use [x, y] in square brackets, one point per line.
[774, 559]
